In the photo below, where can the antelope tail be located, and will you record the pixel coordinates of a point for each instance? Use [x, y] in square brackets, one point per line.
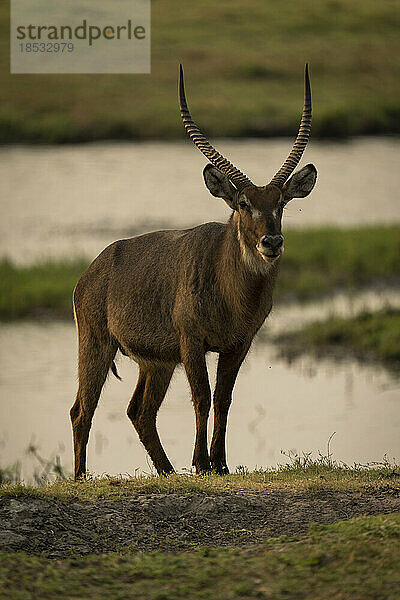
[114, 371]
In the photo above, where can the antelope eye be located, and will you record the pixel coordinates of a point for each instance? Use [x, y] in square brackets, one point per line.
[243, 204]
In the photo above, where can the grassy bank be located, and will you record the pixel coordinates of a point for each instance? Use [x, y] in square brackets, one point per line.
[166, 537]
[316, 262]
[371, 336]
[357, 559]
[39, 290]
[303, 475]
[244, 74]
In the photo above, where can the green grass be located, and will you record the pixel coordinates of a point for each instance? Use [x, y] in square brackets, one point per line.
[244, 75]
[39, 290]
[303, 474]
[316, 262]
[367, 336]
[357, 559]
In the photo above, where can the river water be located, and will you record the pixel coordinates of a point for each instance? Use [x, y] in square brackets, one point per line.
[69, 201]
[74, 200]
[276, 407]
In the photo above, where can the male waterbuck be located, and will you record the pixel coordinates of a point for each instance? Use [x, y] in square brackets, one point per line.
[170, 297]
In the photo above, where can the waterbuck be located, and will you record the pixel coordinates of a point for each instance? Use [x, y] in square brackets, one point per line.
[169, 297]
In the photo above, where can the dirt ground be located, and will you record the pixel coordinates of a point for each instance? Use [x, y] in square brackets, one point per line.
[174, 522]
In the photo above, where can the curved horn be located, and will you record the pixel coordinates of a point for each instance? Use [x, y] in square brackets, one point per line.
[302, 137]
[219, 161]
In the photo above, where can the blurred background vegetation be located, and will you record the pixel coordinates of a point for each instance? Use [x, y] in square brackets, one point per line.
[317, 262]
[244, 64]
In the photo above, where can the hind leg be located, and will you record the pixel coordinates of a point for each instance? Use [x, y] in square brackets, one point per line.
[95, 359]
[150, 390]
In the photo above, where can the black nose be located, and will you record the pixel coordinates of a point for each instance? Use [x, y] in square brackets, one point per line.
[272, 242]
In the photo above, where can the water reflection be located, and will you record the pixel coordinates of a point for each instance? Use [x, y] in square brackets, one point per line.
[74, 200]
[276, 406]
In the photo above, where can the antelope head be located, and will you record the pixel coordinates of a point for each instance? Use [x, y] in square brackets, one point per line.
[257, 209]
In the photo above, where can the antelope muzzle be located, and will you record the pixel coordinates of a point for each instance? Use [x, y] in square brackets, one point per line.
[270, 246]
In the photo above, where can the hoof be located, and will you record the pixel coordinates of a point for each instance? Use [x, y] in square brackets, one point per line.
[220, 469]
[203, 467]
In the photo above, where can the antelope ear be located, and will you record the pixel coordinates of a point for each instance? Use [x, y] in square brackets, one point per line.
[300, 184]
[219, 185]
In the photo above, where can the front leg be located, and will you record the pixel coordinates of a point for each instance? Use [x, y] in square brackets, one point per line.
[193, 358]
[228, 367]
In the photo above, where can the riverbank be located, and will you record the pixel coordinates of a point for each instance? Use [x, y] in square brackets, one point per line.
[351, 560]
[253, 89]
[367, 337]
[302, 474]
[183, 512]
[316, 262]
[316, 528]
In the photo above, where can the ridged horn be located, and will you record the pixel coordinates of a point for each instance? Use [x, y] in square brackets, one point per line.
[219, 161]
[302, 137]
